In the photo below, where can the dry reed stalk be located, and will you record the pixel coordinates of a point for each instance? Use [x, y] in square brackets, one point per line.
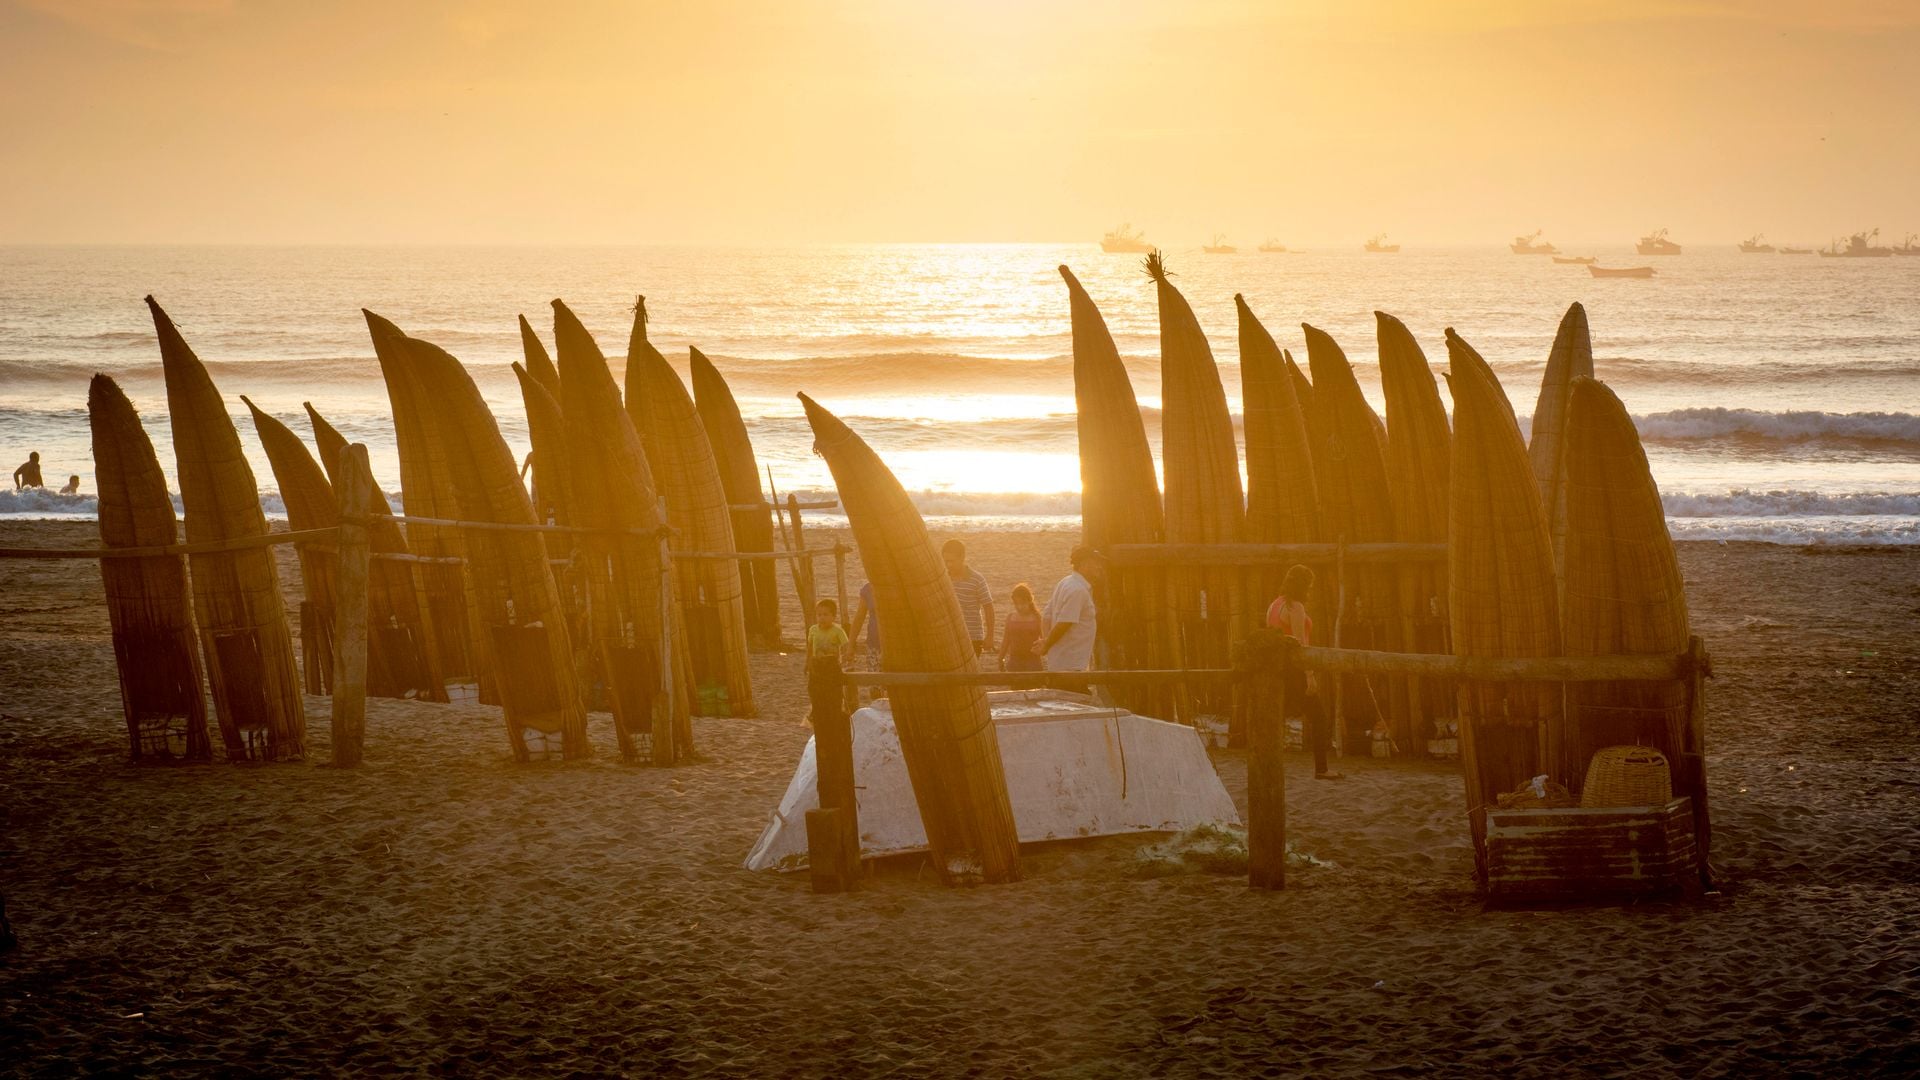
[1203, 498]
[1502, 595]
[401, 652]
[518, 599]
[740, 477]
[1419, 454]
[243, 625]
[1119, 500]
[687, 475]
[614, 485]
[947, 737]
[161, 692]
[1571, 358]
[310, 504]
[1622, 589]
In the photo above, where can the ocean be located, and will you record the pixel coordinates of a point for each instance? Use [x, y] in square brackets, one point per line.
[1778, 396]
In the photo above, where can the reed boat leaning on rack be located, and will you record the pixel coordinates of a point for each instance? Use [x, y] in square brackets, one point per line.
[1501, 593]
[308, 497]
[1119, 501]
[538, 363]
[613, 485]
[740, 478]
[1571, 358]
[1283, 503]
[947, 736]
[518, 601]
[243, 623]
[1419, 455]
[549, 478]
[148, 607]
[1203, 503]
[398, 630]
[687, 475]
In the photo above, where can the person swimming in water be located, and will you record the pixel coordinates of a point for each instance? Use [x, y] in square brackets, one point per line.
[73, 486]
[28, 475]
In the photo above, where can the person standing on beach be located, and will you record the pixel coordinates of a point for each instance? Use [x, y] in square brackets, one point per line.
[828, 647]
[976, 597]
[1021, 634]
[1070, 621]
[866, 620]
[1288, 614]
[28, 474]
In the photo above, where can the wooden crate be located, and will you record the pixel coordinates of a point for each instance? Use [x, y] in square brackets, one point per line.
[1596, 853]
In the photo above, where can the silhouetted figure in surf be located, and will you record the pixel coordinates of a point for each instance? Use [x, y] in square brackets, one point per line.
[28, 475]
[73, 486]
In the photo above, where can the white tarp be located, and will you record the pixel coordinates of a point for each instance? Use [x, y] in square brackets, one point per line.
[1073, 769]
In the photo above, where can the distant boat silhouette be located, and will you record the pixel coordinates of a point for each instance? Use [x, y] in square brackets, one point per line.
[1274, 247]
[1125, 241]
[1859, 246]
[1656, 243]
[1576, 260]
[1752, 245]
[1796, 251]
[1219, 246]
[1908, 247]
[1530, 245]
[1621, 271]
[1379, 246]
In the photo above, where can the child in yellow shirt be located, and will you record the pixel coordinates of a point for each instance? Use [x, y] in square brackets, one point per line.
[827, 649]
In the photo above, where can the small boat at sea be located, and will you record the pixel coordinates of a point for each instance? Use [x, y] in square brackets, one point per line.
[1273, 247]
[1379, 246]
[1531, 245]
[1859, 246]
[1219, 246]
[1125, 240]
[1756, 245]
[1620, 271]
[1796, 251]
[1575, 260]
[1908, 247]
[1656, 243]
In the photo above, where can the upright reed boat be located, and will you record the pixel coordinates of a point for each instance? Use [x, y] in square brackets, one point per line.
[1419, 459]
[740, 478]
[310, 504]
[1571, 358]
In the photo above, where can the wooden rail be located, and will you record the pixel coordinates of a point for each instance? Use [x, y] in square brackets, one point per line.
[201, 547]
[1270, 554]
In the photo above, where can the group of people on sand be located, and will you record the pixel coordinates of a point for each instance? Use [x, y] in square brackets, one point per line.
[28, 476]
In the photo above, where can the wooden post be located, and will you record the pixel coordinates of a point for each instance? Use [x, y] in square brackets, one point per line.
[1694, 755]
[350, 610]
[1267, 774]
[833, 770]
[664, 751]
[803, 566]
[826, 854]
[1339, 619]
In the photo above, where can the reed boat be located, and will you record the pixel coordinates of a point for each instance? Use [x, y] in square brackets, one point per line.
[539, 365]
[1419, 456]
[546, 430]
[1620, 271]
[310, 503]
[740, 478]
[1282, 502]
[148, 605]
[401, 654]
[1377, 244]
[1502, 595]
[1575, 260]
[1531, 245]
[1656, 243]
[1203, 501]
[236, 593]
[1119, 500]
[687, 475]
[947, 735]
[1570, 359]
[518, 602]
[613, 490]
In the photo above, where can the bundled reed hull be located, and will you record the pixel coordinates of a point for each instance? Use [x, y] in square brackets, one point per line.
[1204, 504]
[1419, 454]
[624, 576]
[243, 624]
[538, 363]
[1119, 500]
[1501, 593]
[147, 602]
[1283, 504]
[740, 477]
[401, 655]
[518, 599]
[546, 430]
[1571, 358]
[310, 504]
[946, 735]
[687, 475]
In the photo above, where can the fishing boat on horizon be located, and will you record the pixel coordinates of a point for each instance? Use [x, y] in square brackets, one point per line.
[1859, 246]
[1620, 271]
[1531, 245]
[1908, 247]
[1656, 243]
[1125, 240]
[1379, 246]
[1796, 251]
[1273, 247]
[1756, 245]
[1576, 260]
[1219, 246]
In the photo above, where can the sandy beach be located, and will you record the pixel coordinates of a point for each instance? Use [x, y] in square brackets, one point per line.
[443, 911]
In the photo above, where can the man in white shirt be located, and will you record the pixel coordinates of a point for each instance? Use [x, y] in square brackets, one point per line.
[1070, 623]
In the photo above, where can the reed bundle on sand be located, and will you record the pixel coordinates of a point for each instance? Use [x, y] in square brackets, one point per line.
[1419, 453]
[401, 657]
[147, 605]
[243, 625]
[740, 478]
[310, 504]
[947, 736]
[526, 625]
[1571, 358]
[1119, 500]
[624, 577]
[1283, 504]
[1501, 592]
[687, 475]
[1204, 504]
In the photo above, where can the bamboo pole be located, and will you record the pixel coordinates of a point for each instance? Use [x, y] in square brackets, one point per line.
[826, 853]
[350, 610]
[1267, 775]
[804, 569]
[1266, 554]
[1339, 639]
[833, 764]
[1696, 668]
[662, 725]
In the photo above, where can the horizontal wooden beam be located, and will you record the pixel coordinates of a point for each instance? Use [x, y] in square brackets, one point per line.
[1052, 679]
[1271, 554]
[1494, 668]
[756, 556]
[203, 547]
[747, 507]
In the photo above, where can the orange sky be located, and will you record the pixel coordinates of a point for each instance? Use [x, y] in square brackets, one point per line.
[1317, 122]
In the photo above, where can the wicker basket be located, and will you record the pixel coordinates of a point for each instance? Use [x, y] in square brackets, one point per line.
[1628, 776]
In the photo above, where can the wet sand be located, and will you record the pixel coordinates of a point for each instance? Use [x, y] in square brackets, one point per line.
[441, 910]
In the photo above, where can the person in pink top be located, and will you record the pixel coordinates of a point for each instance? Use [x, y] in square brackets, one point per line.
[1288, 614]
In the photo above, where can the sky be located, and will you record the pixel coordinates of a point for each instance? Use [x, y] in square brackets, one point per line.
[1307, 121]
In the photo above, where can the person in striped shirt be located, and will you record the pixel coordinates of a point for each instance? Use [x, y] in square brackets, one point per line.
[976, 598]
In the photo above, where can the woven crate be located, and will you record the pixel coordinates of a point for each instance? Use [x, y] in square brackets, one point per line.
[1627, 776]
